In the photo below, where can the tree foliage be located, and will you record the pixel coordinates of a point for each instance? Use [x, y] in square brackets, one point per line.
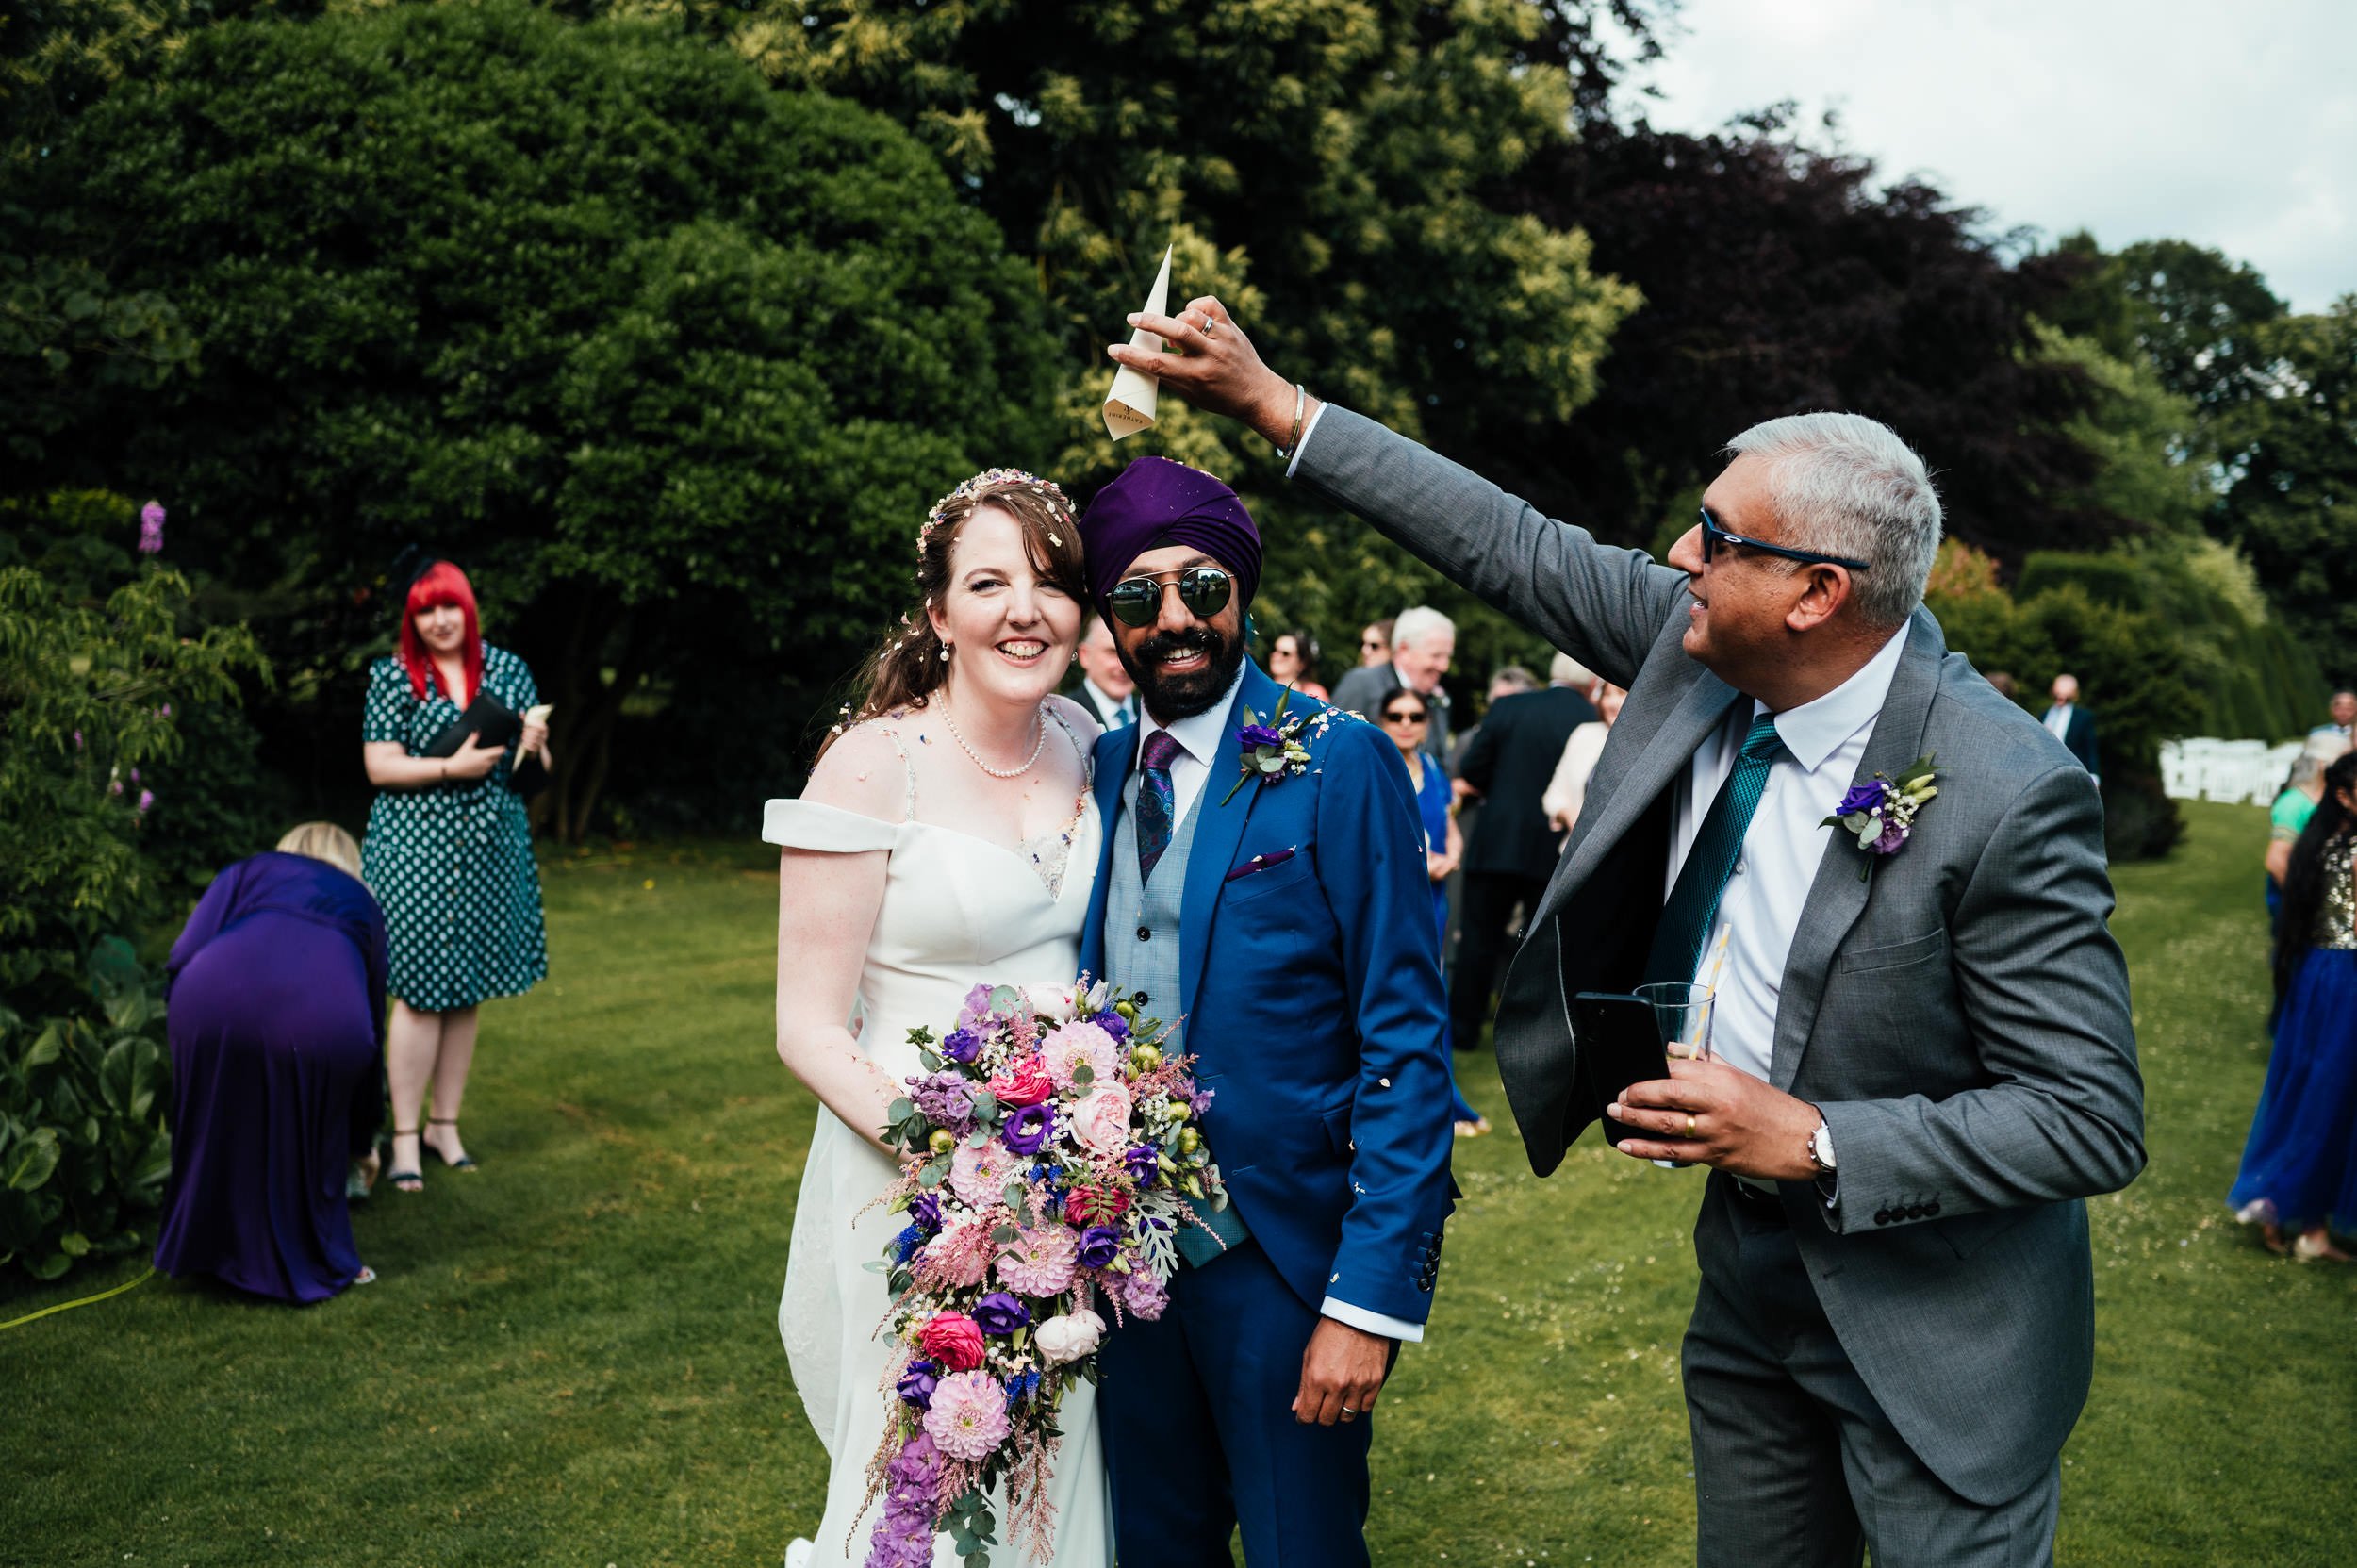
[669, 361]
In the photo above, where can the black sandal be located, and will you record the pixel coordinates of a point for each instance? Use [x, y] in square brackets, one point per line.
[407, 1180]
[464, 1161]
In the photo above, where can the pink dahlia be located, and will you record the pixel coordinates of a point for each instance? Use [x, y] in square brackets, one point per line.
[1041, 1262]
[1068, 1047]
[979, 1175]
[969, 1418]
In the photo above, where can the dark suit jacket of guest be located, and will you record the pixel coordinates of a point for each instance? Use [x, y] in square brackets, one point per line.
[1362, 691]
[2079, 737]
[1958, 1013]
[1087, 699]
[1511, 759]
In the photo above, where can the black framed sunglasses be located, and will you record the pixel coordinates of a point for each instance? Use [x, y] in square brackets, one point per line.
[1404, 716]
[1138, 601]
[1714, 536]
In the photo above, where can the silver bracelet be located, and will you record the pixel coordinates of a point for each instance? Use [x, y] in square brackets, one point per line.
[1301, 404]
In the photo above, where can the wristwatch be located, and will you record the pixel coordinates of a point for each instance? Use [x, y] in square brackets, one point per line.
[1820, 1155]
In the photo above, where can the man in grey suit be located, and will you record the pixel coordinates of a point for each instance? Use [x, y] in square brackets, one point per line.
[1923, 1060]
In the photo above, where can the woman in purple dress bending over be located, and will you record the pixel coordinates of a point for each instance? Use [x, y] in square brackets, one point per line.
[276, 1006]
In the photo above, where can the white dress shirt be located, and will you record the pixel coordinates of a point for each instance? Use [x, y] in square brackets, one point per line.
[1824, 742]
[1200, 739]
[2058, 721]
[1118, 710]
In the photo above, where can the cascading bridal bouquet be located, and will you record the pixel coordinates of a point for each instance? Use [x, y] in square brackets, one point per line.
[1048, 1151]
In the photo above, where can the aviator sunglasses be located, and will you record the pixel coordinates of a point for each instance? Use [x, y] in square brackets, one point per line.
[1138, 601]
[1714, 536]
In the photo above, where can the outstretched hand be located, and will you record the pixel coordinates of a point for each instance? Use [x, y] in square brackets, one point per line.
[1217, 368]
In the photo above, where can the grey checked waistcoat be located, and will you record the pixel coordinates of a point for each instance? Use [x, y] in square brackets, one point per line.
[1142, 955]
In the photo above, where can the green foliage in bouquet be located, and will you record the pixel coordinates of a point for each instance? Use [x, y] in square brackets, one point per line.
[92, 691]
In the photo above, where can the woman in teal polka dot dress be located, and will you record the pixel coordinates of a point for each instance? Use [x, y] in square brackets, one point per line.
[449, 857]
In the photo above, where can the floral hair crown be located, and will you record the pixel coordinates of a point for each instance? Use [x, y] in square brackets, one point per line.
[988, 479]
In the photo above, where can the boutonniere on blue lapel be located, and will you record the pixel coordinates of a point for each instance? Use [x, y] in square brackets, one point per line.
[1272, 751]
[1880, 813]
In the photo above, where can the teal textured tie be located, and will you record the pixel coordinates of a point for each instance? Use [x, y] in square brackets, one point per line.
[1693, 904]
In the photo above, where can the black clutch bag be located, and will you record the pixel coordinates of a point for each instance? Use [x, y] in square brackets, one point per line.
[487, 716]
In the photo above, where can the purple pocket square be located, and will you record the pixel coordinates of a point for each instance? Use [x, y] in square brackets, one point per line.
[1260, 863]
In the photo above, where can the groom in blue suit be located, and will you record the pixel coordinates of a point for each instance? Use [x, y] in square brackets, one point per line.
[1286, 919]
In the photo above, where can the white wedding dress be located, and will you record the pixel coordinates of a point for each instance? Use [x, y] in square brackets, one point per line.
[958, 910]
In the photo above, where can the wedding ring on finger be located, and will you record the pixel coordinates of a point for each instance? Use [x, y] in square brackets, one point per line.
[1689, 1127]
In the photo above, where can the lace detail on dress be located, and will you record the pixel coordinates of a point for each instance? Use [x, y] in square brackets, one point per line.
[1051, 853]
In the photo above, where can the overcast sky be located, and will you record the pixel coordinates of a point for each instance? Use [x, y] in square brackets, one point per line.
[2231, 122]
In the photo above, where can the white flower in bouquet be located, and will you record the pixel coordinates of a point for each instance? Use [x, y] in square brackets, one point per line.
[1069, 1337]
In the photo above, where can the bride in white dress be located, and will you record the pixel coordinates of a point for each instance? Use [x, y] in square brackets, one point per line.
[946, 839]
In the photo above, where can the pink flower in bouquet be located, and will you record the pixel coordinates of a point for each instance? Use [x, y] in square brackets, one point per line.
[954, 1341]
[1070, 1337]
[1095, 1205]
[1103, 1120]
[1024, 1083]
[979, 1175]
[1041, 1262]
[959, 1256]
[969, 1418]
[1068, 1047]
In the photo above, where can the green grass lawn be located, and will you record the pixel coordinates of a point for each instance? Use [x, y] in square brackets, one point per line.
[572, 1355]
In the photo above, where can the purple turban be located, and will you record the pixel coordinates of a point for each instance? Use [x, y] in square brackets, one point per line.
[1155, 501]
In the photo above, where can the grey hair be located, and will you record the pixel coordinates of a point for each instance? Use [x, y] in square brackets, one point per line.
[1416, 624]
[1845, 485]
[1564, 670]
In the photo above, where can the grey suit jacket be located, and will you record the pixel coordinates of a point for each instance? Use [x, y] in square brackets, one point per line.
[1959, 1015]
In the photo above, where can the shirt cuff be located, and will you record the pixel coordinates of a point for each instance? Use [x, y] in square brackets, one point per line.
[1301, 446]
[1373, 1323]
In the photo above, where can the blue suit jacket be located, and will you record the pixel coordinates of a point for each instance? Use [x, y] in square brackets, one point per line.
[1309, 981]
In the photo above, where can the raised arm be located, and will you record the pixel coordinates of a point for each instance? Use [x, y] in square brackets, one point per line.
[1604, 606]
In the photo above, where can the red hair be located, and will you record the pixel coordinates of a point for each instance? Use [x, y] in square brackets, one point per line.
[441, 584]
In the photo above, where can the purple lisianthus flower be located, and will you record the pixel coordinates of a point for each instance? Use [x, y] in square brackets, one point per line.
[975, 1009]
[1868, 797]
[946, 1100]
[1001, 1313]
[925, 1211]
[917, 1383]
[1099, 1245]
[1113, 1024]
[1259, 735]
[1892, 836]
[1144, 1160]
[963, 1045]
[1028, 1130]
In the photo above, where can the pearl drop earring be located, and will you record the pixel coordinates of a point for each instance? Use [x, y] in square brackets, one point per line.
[945, 654]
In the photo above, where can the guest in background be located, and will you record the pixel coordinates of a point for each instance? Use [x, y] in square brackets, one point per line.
[1508, 680]
[1106, 689]
[1424, 641]
[2299, 1165]
[276, 994]
[2344, 725]
[1293, 661]
[449, 855]
[2289, 816]
[1567, 791]
[2007, 687]
[1375, 643]
[1512, 851]
[1403, 717]
[2071, 724]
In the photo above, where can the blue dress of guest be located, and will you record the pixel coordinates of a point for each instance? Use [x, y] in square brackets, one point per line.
[1432, 802]
[275, 1014]
[2299, 1166]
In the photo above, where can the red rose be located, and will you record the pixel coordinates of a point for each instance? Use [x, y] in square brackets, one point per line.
[1095, 1206]
[952, 1339]
[1025, 1083]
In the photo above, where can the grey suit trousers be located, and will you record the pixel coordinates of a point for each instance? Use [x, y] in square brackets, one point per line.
[1795, 1460]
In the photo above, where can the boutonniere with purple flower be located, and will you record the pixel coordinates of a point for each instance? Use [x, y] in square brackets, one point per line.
[1272, 751]
[1880, 813]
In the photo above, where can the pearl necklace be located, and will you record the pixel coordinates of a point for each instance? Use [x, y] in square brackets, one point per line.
[1016, 771]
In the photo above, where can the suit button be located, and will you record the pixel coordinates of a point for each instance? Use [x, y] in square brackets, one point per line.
[1882, 1216]
[1930, 1210]
[1140, 999]
[1145, 936]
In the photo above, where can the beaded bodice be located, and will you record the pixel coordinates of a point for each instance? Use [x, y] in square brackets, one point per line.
[2336, 916]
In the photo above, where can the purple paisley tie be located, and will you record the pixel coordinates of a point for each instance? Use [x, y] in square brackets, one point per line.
[1155, 801]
